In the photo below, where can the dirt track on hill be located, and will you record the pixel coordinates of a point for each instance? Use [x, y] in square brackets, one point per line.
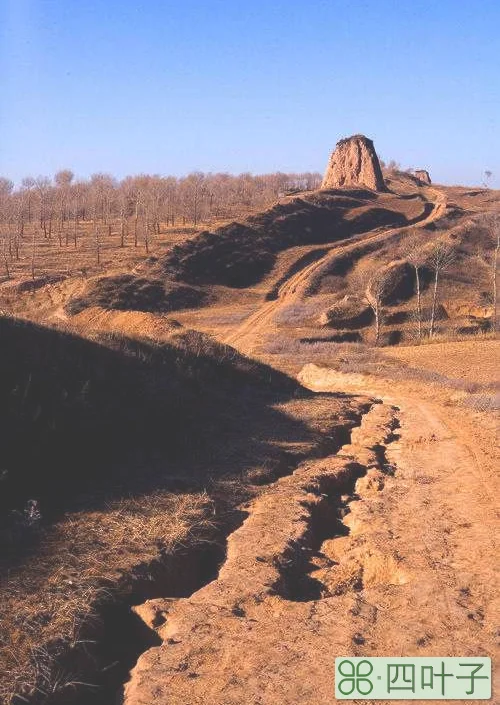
[244, 337]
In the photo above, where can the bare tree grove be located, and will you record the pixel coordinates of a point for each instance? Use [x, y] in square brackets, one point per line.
[62, 213]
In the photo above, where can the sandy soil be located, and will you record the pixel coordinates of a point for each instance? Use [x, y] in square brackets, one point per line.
[473, 361]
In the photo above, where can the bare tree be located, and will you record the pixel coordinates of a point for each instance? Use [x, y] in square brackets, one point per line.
[494, 267]
[5, 256]
[78, 197]
[441, 256]
[6, 187]
[374, 284]
[27, 186]
[487, 175]
[44, 193]
[416, 257]
[62, 181]
[33, 252]
[489, 258]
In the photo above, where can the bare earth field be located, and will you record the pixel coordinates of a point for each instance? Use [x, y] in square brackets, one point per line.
[475, 361]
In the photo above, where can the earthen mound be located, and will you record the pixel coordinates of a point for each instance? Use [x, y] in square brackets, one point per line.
[126, 292]
[400, 282]
[423, 175]
[354, 161]
[240, 254]
[349, 312]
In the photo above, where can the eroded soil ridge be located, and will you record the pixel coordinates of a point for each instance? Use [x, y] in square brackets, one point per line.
[223, 643]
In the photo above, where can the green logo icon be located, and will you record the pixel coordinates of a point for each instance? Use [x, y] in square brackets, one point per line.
[355, 677]
[417, 678]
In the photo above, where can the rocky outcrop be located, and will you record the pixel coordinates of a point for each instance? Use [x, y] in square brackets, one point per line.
[354, 162]
[423, 175]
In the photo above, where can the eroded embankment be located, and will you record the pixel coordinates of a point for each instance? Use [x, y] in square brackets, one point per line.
[123, 625]
[270, 575]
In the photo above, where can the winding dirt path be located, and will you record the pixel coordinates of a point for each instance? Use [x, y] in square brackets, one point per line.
[244, 337]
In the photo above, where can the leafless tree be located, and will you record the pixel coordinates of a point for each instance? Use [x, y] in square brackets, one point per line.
[44, 190]
[78, 192]
[62, 181]
[487, 174]
[6, 187]
[441, 257]
[489, 258]
[5, 256]
[27, 186]
[494, 272]
[374, 283]
[416, 257]
[33, 252]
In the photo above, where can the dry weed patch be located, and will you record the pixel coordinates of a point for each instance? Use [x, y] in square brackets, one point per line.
[51, 606]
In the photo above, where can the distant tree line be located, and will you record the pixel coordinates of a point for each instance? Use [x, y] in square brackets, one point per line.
[55, 208]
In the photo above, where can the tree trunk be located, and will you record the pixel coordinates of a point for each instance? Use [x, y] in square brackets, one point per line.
[6, 260]
[376, 311]
[146, 231]
[419, 302]
[33, 254]
[434, 299]
[97, 243]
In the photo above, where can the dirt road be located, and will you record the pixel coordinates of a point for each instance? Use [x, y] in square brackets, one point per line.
[386, 548]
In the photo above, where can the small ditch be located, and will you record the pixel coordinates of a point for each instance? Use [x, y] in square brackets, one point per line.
[329, 443]
[93, 671]
[326, 522]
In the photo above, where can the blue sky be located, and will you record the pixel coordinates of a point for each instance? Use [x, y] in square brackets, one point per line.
[261, 85]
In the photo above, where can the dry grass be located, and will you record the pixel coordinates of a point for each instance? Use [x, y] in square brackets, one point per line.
[303, 312]
[453, 336]
[85, 561]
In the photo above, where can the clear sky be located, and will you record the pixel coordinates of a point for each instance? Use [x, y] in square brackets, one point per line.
[168, 87]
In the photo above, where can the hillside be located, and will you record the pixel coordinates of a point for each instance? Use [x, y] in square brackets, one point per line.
[324, 291]
[349, 241]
